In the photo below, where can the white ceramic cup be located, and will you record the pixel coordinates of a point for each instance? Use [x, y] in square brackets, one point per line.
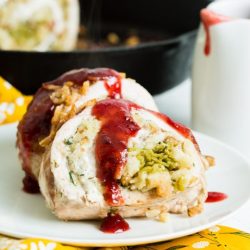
[221, 74]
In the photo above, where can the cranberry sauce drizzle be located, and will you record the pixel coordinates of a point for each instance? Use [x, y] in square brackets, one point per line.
[216, 196]
[111, 144]
[30, 185]
[36, 123]
[186, 132]
[208, 19]
[111, 151]
[114, 223]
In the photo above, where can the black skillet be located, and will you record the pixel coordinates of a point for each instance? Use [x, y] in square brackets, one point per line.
[158, 65]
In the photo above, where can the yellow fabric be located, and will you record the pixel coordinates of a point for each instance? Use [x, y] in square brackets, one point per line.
[12, 103]
[12, 107]
[214, 238]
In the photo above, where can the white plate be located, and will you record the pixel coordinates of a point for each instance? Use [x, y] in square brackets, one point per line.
[25, 215]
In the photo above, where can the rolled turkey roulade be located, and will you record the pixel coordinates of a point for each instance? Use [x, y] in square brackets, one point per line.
[117, 156]
[39, 25]
[60, 100]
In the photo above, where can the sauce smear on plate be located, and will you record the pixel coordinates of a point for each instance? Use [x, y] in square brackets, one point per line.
[216, 197]
[114, 223]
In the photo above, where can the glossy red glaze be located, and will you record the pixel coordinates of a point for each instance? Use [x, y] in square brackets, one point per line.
[114, 223]
[216, 196]
[30, 185]
[208, 19]
[37, 121]
[186, 132]
[111, 144]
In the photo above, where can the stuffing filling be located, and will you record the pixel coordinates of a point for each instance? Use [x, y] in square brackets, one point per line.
[65, 98]
[164, 168]
[157, 160]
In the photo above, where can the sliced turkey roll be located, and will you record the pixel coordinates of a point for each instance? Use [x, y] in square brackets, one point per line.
[39, 25]
[118, 156]
[58, 101]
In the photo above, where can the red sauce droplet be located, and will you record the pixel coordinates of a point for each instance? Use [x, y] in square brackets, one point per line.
[216, 197]
[30, 185]
[111, 144]
[208, 19]
[37, 121]
[114, 223]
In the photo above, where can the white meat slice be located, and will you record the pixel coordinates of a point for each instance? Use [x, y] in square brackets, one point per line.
[72, 191]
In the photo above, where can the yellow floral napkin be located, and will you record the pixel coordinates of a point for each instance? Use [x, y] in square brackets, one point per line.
[12, 107]
[214, 238]
[12, 103]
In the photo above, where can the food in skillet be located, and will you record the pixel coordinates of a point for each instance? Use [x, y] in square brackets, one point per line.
[97, 146]
[54, 25]
[39, 25]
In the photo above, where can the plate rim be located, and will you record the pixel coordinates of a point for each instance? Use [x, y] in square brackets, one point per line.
[143, 239]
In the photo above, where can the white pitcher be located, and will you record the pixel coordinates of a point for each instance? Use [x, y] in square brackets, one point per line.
[221, 73]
